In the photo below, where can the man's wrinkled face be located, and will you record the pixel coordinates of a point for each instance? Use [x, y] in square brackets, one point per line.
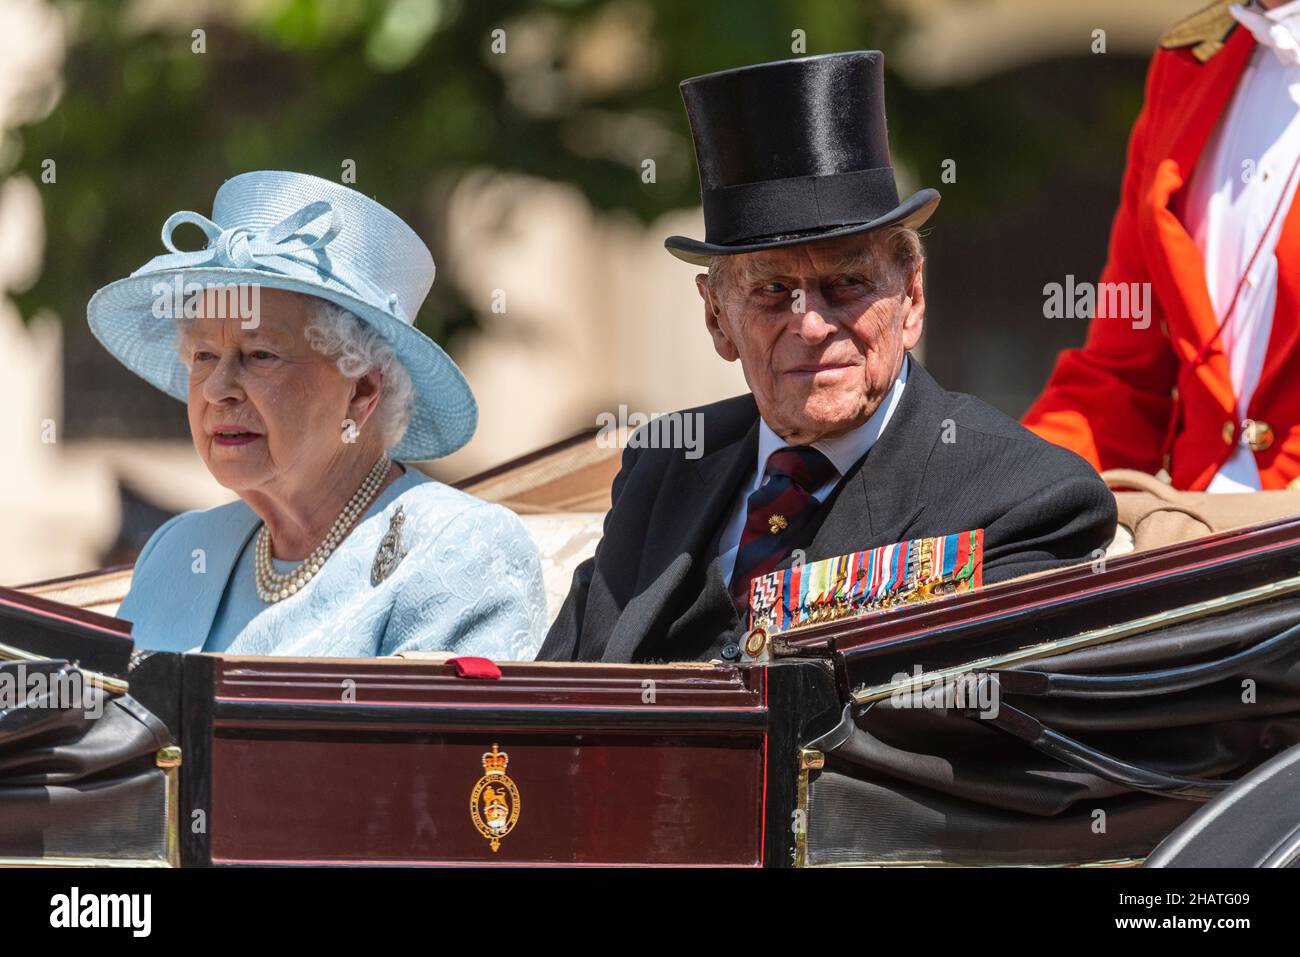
[820, 330]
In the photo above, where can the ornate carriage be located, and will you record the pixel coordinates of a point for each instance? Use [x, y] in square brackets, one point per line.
[1080, 717]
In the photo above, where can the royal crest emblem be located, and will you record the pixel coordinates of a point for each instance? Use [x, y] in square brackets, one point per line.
[390, 551]
[494, 803]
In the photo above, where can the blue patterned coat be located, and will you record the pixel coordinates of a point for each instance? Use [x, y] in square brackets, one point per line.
[470, 583]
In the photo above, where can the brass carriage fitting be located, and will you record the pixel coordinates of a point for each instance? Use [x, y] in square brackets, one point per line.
[168, 757]
[810, 760]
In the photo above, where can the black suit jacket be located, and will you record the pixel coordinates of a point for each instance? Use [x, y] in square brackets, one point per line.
[946, 462]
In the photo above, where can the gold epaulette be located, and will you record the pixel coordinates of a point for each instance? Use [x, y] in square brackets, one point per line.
[1204, 31]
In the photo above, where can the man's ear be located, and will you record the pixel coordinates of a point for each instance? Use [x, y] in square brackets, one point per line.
[914, 305]
[722, 344]
[367, 390]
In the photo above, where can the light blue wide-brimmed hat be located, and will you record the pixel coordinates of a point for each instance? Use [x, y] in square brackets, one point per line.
[304, 234]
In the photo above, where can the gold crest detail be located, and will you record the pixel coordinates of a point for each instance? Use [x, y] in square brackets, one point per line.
[777, 524]
[494, 802]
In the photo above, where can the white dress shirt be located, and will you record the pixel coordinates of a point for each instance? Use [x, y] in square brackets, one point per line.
[1228, 209]
[843, 451]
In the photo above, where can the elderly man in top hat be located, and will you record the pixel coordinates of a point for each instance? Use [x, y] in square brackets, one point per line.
[845, 442]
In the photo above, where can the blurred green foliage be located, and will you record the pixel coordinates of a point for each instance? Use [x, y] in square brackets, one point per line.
[412, 91]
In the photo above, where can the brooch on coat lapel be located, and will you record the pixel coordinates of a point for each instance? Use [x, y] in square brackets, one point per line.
[390, 551]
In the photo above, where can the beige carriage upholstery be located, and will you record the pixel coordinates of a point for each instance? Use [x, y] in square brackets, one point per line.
[1152, 514]
[101, 590]
[562, 493]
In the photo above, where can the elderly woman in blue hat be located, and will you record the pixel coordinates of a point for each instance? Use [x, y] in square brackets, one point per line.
[290, 338]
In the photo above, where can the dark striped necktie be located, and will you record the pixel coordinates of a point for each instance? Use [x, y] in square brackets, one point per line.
[779, 514]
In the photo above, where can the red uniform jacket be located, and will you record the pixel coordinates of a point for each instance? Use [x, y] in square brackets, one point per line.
[1137, 398]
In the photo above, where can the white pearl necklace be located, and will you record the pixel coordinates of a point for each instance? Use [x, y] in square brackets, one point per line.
[272, 586]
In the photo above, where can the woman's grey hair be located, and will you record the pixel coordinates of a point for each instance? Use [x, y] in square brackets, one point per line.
[357, 349]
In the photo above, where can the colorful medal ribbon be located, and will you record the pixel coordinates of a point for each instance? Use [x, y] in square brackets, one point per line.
[864, 582]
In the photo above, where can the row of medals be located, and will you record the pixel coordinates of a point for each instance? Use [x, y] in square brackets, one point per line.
[916, 588]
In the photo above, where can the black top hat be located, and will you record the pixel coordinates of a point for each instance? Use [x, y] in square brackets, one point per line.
[791, 152]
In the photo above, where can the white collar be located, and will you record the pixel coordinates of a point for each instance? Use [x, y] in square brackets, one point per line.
[843, 450]
[1278, 29]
